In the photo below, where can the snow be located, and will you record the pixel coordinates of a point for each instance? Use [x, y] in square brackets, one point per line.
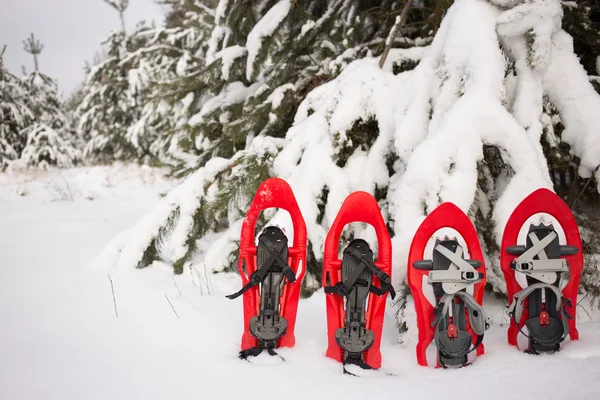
[178, 336]
[146, 229]
[127, 248]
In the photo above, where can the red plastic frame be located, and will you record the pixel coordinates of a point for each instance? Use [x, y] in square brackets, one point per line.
[542, 201]
[273, 192]
[358, 207]
[447, 215]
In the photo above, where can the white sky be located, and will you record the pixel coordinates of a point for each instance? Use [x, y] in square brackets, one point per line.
[71, 31]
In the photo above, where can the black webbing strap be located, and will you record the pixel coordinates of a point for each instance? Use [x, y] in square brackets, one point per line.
[260, 274]
[343, 288]
[255, 351]
[358, 361]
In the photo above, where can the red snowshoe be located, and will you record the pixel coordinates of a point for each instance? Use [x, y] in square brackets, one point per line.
[542, 261]
[447, 289]
[271, 272]
[357, 286]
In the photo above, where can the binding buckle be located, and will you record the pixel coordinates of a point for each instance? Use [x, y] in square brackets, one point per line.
[452, 332]
[544, 319]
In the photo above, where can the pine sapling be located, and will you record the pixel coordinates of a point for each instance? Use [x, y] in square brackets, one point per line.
[34, 47]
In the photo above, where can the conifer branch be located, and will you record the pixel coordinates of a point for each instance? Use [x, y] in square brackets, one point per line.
[398, 24]
[2, 55]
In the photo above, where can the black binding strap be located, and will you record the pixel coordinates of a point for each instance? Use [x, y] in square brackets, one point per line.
[358, 361]
[260, 274]
[255, 351]
[343, 288]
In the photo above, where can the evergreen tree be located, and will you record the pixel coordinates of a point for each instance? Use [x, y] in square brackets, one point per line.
[124, 113]
[111, 99]
[293, 89]
[49, 137]
[261, 62]
[15, 115]
[51, 141]
[169, 54]
[107, 108]
[582, 20]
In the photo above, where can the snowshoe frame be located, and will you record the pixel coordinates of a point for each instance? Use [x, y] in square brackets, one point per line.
[541, 201]
[272, 193]
[358, 207]
[447, 215]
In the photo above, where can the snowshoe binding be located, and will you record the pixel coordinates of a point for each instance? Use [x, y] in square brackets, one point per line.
[271, 273]
[356, 288]
[357, 274]
[447, 289]
[539, 260]
[542, 275]
[450, 275]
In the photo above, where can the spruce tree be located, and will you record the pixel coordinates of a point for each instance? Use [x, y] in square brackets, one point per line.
[125, 113]
[294, 89]
[169, 54]
[582, 20]
[107, 109]
[50, 139]
[112, 100]
[261, 62]
[15, 115]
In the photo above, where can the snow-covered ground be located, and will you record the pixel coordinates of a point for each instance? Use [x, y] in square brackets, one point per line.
[178, 337]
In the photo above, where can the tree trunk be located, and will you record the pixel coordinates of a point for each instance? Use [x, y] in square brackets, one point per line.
[122, 17]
